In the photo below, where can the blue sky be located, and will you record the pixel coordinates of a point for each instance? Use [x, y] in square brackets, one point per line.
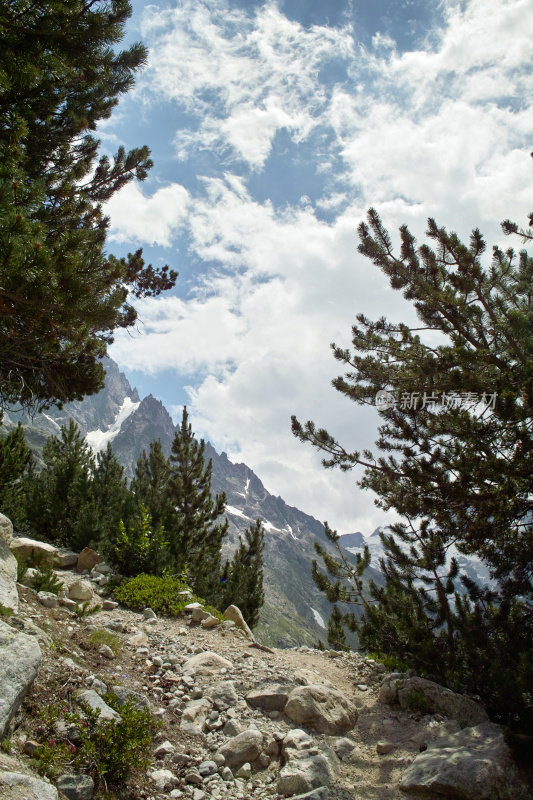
[273, 128]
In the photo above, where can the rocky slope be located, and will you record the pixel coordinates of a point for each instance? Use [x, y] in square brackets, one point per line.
[237, 720]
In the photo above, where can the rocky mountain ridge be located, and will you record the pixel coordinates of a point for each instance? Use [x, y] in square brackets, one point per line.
[238, 720]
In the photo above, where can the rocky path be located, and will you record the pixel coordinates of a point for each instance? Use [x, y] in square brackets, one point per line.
[239, 722]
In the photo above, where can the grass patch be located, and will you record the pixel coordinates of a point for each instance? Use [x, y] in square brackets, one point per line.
[5, 611]
[100, 636]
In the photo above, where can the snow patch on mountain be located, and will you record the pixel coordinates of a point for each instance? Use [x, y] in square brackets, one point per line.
[98, 439]
[236, 512]
[54, 423]
[318, 618]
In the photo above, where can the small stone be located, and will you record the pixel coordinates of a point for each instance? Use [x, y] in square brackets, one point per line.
[76, 787]
[109, 605]
[227, 774]
[207, 768]
[362, 687]
[194, 777]
[148, 613]
[31, 747]
[106, 651]
[48, 599]
[382, 748]
[245, 772]
[164, 749]
[164, 779]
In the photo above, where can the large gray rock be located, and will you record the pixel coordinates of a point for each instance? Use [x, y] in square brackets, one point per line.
[473, 764]
[245, 747]
[76, 787]
[305, 774]
[16, 786]
[269, 698]
[8, 578]
[20, 656]
[33, 551]
[321, 708]
[427, 696]
[94, 701]
[6, 529]
[206, 663]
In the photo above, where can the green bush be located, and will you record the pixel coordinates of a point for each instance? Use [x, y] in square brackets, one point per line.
[45, 580]
[108, 751]
[160, 594]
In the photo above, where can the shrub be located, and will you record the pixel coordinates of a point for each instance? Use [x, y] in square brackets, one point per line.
[160, 594]
[45, 580]
[108, 751]
[85, 609]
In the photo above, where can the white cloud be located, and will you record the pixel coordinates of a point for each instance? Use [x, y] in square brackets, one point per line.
[440, 131]
[244, 76]
[152, 220]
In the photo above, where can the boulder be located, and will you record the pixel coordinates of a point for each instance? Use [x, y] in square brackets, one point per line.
[305, 774]
[321, 708]
[429, 697]
[76, 787]
[87, 559]
[8, 578]
[234, 614]
[80, 590]
[16, 786]
[6, 529]
[206, 663]
[246, 746]
[33, 551]
[20, 656]
[94, 701]
[474, 763]
[271, 698]
[66, 558]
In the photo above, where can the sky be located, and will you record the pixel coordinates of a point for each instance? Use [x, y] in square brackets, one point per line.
[273, 127]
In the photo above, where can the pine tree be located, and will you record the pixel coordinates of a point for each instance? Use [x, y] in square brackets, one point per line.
[61, 295]
[137, 547]
[16, 462]
[458, 473]
[150, 483]
[59, 504]
[191, 517]
[109, 493]
[242, 577]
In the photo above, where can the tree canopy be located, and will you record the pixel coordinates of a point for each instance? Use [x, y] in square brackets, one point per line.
[61, 294]
[454, 461]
